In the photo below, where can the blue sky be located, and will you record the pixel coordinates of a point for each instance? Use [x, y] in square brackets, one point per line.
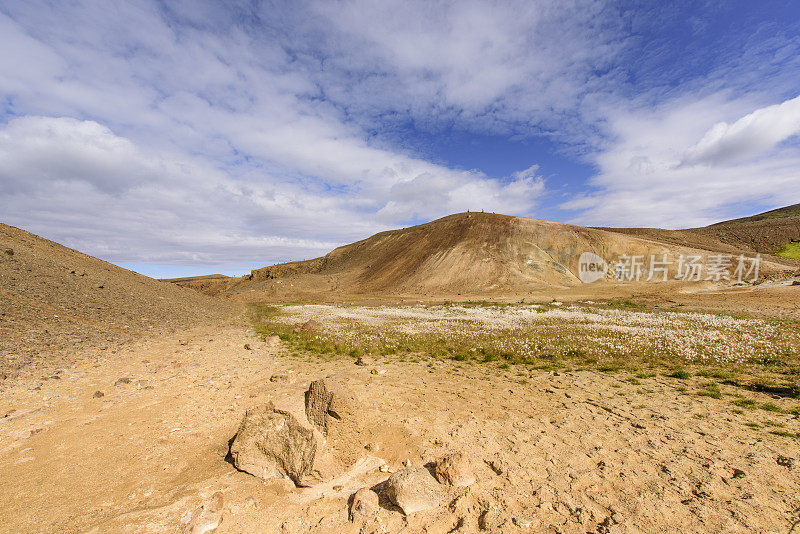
[195, 137]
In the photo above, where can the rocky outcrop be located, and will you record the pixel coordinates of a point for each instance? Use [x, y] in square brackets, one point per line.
[274, 443]
[329, 401]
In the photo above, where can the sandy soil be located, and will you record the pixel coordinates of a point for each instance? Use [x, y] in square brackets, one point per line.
[563, 452]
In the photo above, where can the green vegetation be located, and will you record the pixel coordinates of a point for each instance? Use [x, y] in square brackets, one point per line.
[703, 350]
[790, 250]
[785, 434]
[681, 374]
[710, 389]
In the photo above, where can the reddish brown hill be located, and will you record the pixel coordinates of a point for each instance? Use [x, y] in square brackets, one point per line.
[462, 254]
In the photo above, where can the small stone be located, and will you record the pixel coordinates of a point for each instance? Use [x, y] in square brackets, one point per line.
[338, 488]
[207, 517]
[378, 372]
[384, 468]
[98, 394]
[372, 447]
[183, 341]
[407, 463]
[279, 377]
[784, 461]
[123, 380]
[365, 503]
[454, 469]
[247, 346]
[497, 466]
[364, 361]
[523, 521]
[413, 490]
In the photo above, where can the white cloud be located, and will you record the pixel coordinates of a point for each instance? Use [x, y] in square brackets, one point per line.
[79, 183]
[180, 144]
[490, 66]
[645, 177]
[222, 133]
[749, 136]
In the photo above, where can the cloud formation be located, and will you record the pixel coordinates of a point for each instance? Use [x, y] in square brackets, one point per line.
[678, 167]
[749, 136]
[222, 133]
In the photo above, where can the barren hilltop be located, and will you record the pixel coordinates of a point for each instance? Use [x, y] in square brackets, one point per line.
[476, 255]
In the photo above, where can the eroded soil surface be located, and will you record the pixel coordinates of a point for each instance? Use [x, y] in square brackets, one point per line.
[136, 441]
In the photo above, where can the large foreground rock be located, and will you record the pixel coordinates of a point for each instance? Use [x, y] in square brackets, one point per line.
[413, 490]
[272, 443]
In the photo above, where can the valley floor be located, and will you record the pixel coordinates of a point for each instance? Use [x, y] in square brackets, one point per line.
[137, 440]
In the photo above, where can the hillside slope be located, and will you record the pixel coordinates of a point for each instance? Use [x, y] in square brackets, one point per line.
[461, 254]
[53, 297]
[765, 232]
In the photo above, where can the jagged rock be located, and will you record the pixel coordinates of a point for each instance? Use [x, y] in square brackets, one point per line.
[454, 469]
[414, 490]
[328, 399]
[273, 443]
[365, 503]
[98, 394]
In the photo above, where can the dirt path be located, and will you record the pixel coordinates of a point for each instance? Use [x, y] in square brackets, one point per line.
[562, 452]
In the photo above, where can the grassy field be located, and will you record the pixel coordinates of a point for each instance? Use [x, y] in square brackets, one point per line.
[610, 337]
[791, 251]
